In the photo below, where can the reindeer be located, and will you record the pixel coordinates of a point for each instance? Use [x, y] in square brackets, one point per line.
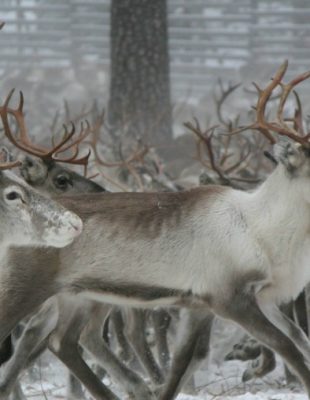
[248, 348]
[197, 340]
[237, 254]
[44, 172]
[30, 219]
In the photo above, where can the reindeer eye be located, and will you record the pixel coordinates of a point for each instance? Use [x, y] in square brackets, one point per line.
[13, 196]
[62, 182]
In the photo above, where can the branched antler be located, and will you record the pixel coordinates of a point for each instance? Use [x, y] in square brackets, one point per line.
[4, 163]
[82, 115]
[205, 138]
[219, 101]
[23, 142]
[217, 162]
[280, 125]
[128, 163]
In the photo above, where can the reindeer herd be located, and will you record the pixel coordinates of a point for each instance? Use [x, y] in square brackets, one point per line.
[84, 268]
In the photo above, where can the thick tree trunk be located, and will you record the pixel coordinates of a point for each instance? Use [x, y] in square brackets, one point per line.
[140, 87]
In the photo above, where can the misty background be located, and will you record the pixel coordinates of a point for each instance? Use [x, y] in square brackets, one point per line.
[55, 50]
[59, 53]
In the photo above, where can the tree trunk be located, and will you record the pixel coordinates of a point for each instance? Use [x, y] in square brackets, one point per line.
[139, 103]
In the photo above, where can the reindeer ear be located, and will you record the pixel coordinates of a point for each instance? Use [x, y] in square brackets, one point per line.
[288, 153]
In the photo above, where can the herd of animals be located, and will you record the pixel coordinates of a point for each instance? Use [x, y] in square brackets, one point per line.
[85, 272]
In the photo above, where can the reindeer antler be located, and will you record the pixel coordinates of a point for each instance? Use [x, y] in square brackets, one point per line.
[4, 164]
[24, 143]
[217, 161]
[205, 138]
[279, 125]
[220, 100]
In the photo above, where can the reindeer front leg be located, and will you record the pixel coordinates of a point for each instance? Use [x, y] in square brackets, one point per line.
[193, 348]
[117, 320]
[36, 331]
[138, 340]
[23, 288]
[92, 341]
[10, 314]
[161, 321]
[64, 344]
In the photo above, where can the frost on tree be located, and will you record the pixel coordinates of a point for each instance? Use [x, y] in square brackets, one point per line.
[140, 86]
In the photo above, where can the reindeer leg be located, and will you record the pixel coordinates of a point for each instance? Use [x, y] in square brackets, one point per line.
[17, 393]
[265, 363]
[287, 326]
[36, 330]
[307, 305]
[189, 353]
[300, 312]
[247, 349]
[91, 340]
[74, 389]
[141, 347]
[116, 318]
[161, 321]
[243, 308]
[250, 349]
[80, 369]
[65, 346]
[6, 349]
[18, 299]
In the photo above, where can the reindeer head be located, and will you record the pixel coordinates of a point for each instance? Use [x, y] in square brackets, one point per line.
[295, 157]
[28, 218]
[51, 178]
[40, 168]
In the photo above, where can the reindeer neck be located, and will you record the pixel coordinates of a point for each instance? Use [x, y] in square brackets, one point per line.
[278, 208]
[281, 193]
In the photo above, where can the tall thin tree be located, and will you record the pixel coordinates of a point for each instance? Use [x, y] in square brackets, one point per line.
[139, 100]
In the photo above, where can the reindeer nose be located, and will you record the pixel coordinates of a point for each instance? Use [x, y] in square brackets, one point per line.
[73, 223]
[77, 228]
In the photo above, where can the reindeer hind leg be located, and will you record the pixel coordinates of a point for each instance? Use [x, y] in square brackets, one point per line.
[244, 310]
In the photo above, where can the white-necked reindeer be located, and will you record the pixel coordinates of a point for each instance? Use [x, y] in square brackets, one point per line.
[235, 253]
[196, 342]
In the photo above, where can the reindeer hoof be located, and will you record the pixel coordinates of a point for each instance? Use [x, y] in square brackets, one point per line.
[244, 351]
[261, 366]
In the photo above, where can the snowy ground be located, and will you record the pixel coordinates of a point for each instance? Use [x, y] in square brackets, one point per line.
[216, 380]
[217, 383]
